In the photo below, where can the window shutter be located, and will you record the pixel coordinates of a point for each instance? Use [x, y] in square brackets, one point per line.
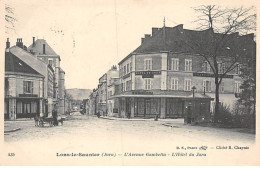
[151, 84]
[203, 66]
[24, 87]
[177, 84]
[191, 65]
[151, 66]
[32, 87]
[177, 66]
[168, 64]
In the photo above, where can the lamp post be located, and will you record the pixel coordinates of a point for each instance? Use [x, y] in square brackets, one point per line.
[193, 99]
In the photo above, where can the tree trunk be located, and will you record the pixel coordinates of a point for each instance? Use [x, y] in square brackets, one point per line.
[216, 115]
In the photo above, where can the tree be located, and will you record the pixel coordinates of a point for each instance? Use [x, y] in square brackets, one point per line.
[221, 46]
[9, 18]
[248, 87]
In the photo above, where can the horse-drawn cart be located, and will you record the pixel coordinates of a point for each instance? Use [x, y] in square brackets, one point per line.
[41, 121]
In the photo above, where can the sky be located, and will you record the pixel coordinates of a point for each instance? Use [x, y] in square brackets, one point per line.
[93, 35]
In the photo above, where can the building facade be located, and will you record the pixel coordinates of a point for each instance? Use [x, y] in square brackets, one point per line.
[24, 87]
[112, 86]
[41, 50]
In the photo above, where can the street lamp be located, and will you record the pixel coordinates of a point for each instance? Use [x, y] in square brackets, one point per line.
[193, 99]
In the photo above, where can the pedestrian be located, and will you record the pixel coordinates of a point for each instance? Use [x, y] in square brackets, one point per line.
[156, 116]
[55, 116]
[98, 114]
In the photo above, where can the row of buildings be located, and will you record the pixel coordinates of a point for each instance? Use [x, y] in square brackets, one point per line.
[164, 77]
[34, 80]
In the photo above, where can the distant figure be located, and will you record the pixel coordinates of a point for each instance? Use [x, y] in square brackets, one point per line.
[129, 115]
[156, 116]
[98, 114]
[55, 116]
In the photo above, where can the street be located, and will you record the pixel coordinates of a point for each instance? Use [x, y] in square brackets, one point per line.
[91, 134]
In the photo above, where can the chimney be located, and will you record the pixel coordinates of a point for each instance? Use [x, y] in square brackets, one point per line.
[19, 43]
[33, 41]
[154, 30]
[142, 40]
[43, 49]
[147, 36]
[7, 43]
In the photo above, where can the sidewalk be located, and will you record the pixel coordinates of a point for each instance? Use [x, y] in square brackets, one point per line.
[142, 119]
[15, 125]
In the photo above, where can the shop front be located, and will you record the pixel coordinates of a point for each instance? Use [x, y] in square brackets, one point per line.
[165, 106]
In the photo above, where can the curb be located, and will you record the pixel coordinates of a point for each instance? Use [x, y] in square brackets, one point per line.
[9, 131]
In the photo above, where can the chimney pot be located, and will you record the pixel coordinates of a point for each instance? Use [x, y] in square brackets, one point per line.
[33, 41]
[142, 40]
[7, 43]
[43, 48]
[147, 36]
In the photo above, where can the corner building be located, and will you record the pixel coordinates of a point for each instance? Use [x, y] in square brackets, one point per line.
[158, 78]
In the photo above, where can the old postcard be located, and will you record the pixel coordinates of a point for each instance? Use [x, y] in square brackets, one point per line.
[127, 83]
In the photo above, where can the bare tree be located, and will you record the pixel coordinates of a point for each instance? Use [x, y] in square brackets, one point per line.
[221, 46]
[9, 18]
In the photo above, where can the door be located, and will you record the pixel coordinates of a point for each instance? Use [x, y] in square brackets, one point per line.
[26, 109]
[189, 114]
[147, 107]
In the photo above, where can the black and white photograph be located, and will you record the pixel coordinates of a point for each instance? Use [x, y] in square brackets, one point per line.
[129, 83]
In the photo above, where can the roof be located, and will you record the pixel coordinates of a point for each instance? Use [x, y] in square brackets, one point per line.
[37, 48]
[30, 59]
[15, 64]
[179, 40]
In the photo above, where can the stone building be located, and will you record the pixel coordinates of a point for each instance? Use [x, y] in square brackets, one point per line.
[112, 84]
[25, 83]
[164, 76]
[41, 50]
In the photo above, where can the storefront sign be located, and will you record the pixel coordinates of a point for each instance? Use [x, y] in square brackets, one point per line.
[142, 92]
[148, 74]
[211, 75]
[126, 76]
[28, 95]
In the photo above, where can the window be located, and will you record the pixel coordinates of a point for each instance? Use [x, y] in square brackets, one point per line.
[188, 65]
[207, 85]
[206, 67]
[130, 66]
[148, 64]
[127, 69]
[175, 64]
[148, 84]
[124, 70]
[27, 87]
[238, 69]
[174, 84]
[187, 85]
[222, 89]
[237, 87]
[50, 62]
[128, 85]
[221, 67]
